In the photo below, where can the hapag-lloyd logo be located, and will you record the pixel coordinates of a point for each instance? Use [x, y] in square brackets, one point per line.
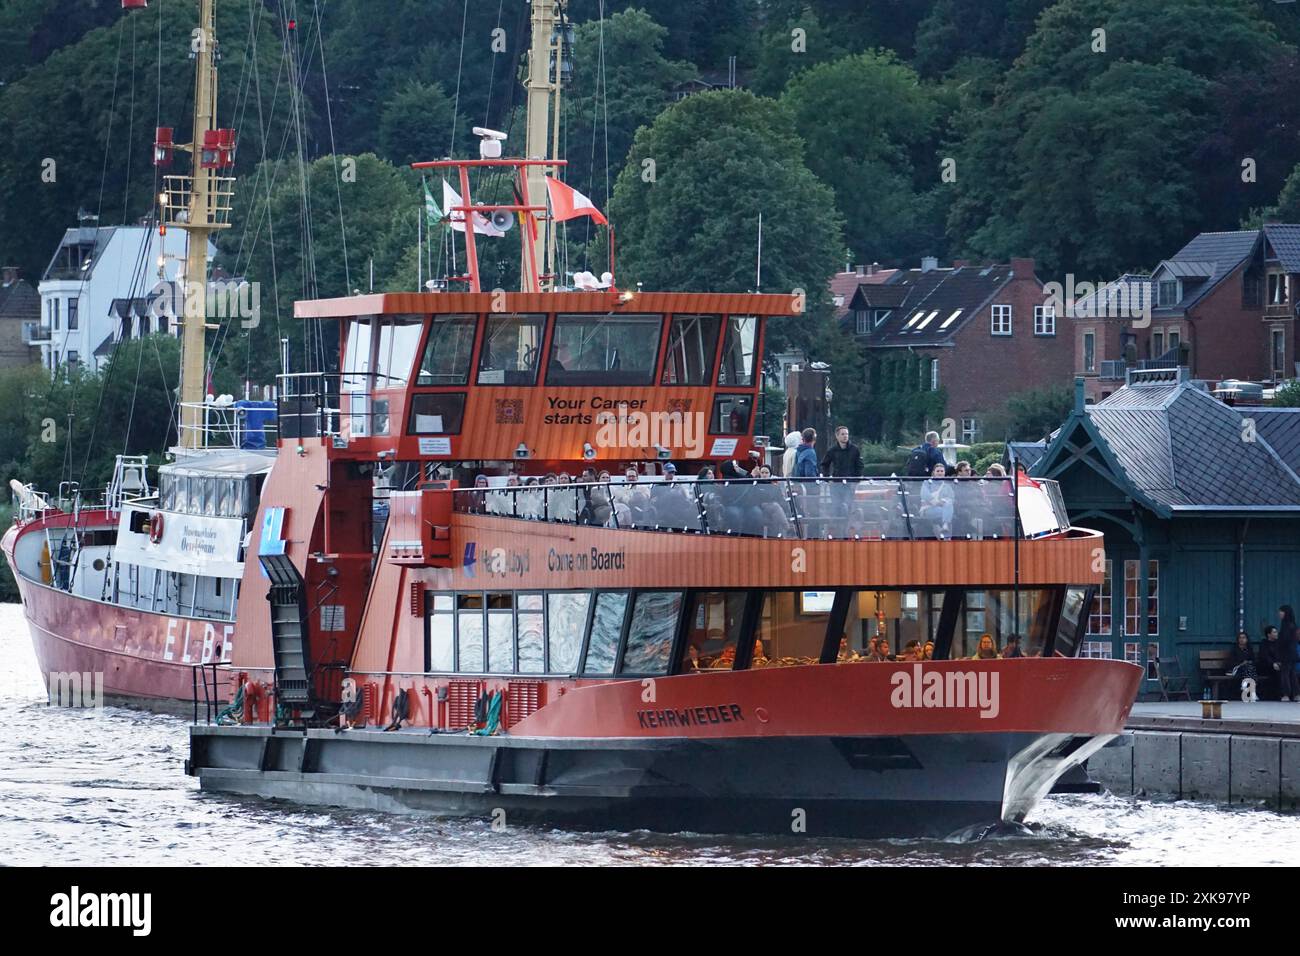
[947, 690]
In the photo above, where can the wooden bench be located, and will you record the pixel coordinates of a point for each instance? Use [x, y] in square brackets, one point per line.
[1214, 671]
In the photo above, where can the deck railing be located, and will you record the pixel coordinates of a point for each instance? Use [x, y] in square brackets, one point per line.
[798, 508]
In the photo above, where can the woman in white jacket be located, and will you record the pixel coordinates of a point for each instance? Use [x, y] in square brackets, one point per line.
[791, 449]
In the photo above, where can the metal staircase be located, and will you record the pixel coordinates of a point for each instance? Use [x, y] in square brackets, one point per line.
[289, 636]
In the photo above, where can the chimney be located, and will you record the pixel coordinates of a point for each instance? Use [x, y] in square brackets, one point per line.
[1078, 396]
[861, 270]
[929, 264]
[873, 268]
[960, 263]
[9, 274]
[1022, 268]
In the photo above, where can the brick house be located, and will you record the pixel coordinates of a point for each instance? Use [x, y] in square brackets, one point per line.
[20, 314]
[982, 333]
[1223, 306]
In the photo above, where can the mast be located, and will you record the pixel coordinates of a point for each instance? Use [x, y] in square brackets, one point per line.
[545, 68]
[200, 204]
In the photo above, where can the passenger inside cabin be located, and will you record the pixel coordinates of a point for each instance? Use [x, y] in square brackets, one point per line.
[912, 651]
[881, 652]
[1012, 648]
[987, 650]
[928, 653]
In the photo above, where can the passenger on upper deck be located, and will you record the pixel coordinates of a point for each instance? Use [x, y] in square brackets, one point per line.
[805, 460]
[791, 452]
[937, 502]
[987, 650]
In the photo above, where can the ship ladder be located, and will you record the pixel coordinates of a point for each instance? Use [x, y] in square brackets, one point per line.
[289, 636]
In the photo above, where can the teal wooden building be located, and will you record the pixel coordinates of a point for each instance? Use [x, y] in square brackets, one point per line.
[1200, 506]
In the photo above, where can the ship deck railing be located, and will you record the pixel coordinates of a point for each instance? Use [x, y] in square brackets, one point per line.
[907, 509]
[225, 426]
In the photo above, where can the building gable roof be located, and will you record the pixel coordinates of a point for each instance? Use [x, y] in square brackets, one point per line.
[1284, 240]
[1177, 448]
[1224, 251]
[20, 300]
[934, 304]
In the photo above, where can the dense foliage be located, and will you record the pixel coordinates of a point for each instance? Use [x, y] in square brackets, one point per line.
[1094, 135]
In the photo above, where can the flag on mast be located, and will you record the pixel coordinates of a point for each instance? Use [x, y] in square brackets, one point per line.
[482, 225]
[567, 203]
[432, 214]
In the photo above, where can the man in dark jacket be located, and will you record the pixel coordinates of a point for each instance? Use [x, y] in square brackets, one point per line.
[1268, 666]
[843, 459]
[923, 458]
[1287, 653]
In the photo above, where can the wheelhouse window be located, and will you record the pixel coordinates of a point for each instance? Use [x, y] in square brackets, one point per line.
[651, 631]
[738, 351]
[469, 633]
[357, 355]
[691, 346]
[732, 414]
[437, 413]
[511, 348]
[713, 633]
[604, 350]
[606, 629]
[399, 338]
[447, 353]
[566, 613]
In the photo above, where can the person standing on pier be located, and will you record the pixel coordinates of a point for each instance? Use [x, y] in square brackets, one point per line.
[1286, 653]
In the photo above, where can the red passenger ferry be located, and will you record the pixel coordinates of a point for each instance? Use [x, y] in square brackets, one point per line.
[652, 650]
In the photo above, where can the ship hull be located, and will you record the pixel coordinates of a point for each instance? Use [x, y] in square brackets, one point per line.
[925, 785]
[131, 657]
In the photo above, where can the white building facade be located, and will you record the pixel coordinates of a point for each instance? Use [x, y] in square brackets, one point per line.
[101, 287]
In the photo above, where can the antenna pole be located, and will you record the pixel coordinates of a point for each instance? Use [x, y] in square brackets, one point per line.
[758, 271]
[544, 49]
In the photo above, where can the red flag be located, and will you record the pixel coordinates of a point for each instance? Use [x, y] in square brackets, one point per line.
[568, 203]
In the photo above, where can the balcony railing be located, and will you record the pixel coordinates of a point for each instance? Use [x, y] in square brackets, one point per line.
[880, 509]
[34, 333]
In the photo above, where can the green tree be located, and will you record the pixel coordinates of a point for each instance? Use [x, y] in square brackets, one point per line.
[957, 29]
[606, 106]
[1035, 413]
[720, 158]
[416, 124]
[882, 181]
[1288, 396]
[359, 208]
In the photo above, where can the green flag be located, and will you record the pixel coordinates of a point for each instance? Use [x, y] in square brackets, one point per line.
[431, 211]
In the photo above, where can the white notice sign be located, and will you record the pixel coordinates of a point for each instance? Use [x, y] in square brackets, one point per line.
[435, 446]
[723, 447]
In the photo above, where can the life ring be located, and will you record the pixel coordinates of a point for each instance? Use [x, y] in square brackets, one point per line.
[156, 527]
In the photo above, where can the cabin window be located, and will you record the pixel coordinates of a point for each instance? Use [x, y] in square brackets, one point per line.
[166, 492]
[1068, 630]
[531, 623]
[447, 353]
[511, 348]
[606, 629]
[442, 634]
[650, 634]
[732, 414]
[691, 346]
[713, 633]
[356, 356]
[437, 413]
[566, 614]
[469, 633]
[501, 634]
[399, 338]
[786, 638]
[194, 498]
[738, 350]
[604, 350]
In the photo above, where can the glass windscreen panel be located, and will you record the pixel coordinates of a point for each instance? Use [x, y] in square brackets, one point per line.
[501, 634]
[606, 629]
[566, 624]
[399, 339]
[447, 353]
[738, 351]
[469, 633]
[692, 342]
[358, 360]
[511, 350]
[531, 624]
[732, 415]
[604, 350]
[713, 632]
[437, 413]
[650, 633]
[442, 633]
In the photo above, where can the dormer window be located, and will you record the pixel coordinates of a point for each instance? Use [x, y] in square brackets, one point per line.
[1167, 292]
[861, 322]
[1277, 288]
[879, 316]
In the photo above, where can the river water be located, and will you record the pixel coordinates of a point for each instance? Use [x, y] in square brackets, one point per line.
[107, 788]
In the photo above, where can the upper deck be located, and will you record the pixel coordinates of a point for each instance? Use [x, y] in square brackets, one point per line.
[550, 377]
